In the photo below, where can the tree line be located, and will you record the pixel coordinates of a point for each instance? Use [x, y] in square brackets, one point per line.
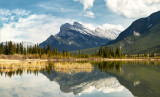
[110, 52]
[10, 48]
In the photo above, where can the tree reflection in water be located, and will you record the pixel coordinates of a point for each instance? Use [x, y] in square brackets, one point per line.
[11, 69]
[109, 66]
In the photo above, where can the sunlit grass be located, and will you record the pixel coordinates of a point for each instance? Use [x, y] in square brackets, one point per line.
[73, 67]
[15, 65]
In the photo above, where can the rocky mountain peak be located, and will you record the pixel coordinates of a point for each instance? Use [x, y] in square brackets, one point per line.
[78, 25]
[64, 28]
[77, 36]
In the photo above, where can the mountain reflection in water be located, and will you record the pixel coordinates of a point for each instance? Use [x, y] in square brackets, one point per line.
[104, 79]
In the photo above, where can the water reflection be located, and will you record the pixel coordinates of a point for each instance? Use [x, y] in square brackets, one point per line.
[10, 68]
[109, 66]
[106, 79]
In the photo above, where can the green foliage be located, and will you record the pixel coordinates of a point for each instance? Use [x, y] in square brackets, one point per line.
[2, 49]
[148, 42]
[9, 49]
[109, 53]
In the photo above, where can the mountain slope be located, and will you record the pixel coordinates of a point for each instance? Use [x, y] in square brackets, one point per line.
[79, 83]
[141, 37]
[75, 37]
[140, 26]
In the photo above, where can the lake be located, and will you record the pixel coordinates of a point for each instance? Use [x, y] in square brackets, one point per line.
[80, 79]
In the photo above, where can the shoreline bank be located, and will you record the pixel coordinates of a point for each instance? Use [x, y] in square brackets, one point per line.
[79, 59]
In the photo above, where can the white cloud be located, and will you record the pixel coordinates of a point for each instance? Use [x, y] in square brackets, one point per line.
[23, 86]
[19, 12]
[55, 9]
[111, 26]
[133, 8]
[89, 26]
[7, 16]
[89, 14]
[103, 27]
[34, 28]
[109, 31]
[88, 4]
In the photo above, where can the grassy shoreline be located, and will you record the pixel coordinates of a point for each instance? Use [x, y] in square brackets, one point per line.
[79, 59]
[33, 58]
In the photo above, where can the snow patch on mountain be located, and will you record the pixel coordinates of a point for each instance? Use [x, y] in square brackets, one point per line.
[149, 26]
[136, 33]
[109, 33]
[106, 85]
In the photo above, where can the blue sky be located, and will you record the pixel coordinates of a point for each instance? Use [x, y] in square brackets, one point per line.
[35, 20]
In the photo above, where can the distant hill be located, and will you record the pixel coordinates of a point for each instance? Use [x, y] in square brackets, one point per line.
[142, 36]
[77, 36]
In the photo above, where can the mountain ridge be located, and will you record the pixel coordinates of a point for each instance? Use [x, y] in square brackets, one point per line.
[139, 26]
[142, 36]
[75, 37]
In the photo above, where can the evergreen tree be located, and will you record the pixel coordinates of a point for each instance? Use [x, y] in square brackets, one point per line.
[100, 53]
[21, 48]
[40, 53]
[106, 53]
[49, 51]
[67, 53]
[43, 50]
[6, 49]
[1, 49]
[27, 49]
[18, 49]
[118, 52]
[64, 53]
[10, 48]
[24, 51]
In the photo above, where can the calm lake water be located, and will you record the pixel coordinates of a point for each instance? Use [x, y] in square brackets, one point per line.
[85, 79]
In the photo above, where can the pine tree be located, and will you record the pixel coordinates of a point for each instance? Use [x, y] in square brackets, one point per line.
[21, 48]
[10, 48]
[67, 53]
[49, 51]
[14, 48]
[6, 49]
[43, 50]
[40, 53]
[112, 53]
[27, 49]
[18, 49]
[1, 49]
[24, 51]
[106, 53]
[64, 53]
[54, 51]
[100, 53]
[118, 52]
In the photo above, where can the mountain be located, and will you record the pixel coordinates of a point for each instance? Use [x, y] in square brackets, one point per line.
[142, 36]
[84, 82]
[77, 36]
[107, 77]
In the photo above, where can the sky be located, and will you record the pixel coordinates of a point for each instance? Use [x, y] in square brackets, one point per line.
[35, 20]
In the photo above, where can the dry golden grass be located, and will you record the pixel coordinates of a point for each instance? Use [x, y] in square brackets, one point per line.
[73, 67]
[8, 66]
